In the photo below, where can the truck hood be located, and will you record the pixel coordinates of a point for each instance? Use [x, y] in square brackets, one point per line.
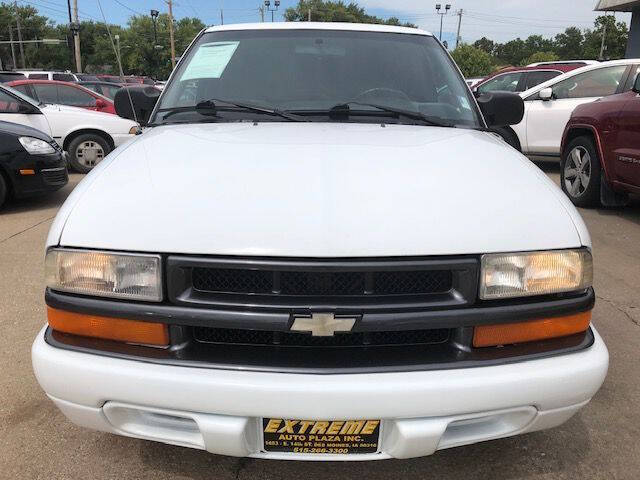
[317, 190]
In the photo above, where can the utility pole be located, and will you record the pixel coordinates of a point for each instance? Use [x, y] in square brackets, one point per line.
[71, 30]
[602, 45]
[261, 10]
[24, 65]
[309, 18]
[76, 37]
[221, 12]
[173, 45]
[459, 26]
[13, 50]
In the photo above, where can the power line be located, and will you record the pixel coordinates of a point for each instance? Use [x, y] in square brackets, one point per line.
[128, 8]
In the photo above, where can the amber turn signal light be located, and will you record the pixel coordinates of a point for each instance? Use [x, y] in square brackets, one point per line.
[542, 329]
[118, 329]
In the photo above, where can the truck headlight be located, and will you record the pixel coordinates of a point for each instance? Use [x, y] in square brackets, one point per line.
[104, 274]
[35, 146]
[535, 273]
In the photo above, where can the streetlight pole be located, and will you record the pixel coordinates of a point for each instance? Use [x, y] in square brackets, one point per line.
[117, 38]
[276, 4]
[154, 18]
[447, 7]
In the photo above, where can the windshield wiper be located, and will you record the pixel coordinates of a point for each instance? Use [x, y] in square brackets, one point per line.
[212, 106]
[344, 109]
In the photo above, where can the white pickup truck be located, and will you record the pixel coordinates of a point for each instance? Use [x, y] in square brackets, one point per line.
[318, 251]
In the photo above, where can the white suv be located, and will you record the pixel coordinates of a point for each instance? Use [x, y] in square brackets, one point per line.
[548, 106]
[49, 75]
[317, 251]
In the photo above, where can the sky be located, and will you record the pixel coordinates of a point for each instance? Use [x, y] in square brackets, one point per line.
[500, 20]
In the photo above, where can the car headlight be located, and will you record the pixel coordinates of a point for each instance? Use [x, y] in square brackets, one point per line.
[35, 146]
[104, 274]
[535, 273]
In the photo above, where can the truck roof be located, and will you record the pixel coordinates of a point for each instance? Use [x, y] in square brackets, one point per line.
[362, 27]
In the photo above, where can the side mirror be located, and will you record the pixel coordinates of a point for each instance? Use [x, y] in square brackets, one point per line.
[142, 97]
[501, 108]
[100, 103]
[636, 85]
[546, 94]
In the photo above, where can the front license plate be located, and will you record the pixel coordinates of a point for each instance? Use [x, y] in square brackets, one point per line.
[334, 437]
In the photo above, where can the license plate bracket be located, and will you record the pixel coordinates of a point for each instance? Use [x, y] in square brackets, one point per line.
[328, 437]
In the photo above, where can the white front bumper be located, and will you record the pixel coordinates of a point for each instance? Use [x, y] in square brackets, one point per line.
[220, 410]
[121, 138]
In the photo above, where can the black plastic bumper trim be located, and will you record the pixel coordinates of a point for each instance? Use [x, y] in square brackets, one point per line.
[281, 320]
[277, 360]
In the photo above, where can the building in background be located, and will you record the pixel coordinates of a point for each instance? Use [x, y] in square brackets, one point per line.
[633, 6]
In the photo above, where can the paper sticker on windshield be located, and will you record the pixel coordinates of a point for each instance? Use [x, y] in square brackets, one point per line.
[210, 60]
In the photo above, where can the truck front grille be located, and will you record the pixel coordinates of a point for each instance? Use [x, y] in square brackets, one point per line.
[313, 284]
[318, 285]
[292, 339]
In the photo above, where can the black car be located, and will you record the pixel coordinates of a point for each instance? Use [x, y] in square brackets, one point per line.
[31, 162]
[10, 76]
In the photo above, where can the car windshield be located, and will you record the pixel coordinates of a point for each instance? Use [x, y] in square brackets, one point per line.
[311, 72]
[20, 95]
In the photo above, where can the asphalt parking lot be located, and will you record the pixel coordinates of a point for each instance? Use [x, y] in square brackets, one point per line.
[602, 441]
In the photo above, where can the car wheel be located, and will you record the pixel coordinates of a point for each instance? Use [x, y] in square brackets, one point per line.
[86, 151]
[580, 173]
[508, 136]
[3, 190]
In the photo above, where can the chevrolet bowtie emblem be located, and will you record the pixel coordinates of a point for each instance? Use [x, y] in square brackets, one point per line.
[322, 324]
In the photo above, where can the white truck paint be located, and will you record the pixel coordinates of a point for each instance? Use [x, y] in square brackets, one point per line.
[317, 190]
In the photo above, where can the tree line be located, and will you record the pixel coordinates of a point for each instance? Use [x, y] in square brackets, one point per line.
[484, 55]
[144, 52]
[139, 51]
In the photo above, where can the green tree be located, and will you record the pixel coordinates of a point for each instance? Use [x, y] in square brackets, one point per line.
[541, 57]
[485, 44]
[512, 52]
[335, 11]
[568, 45]
[616, 38]
[473, 61]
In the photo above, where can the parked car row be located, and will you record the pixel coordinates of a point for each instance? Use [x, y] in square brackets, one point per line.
[87, 136]
[586, 114]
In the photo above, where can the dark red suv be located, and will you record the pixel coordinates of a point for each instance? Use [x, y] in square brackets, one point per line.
[601, 150]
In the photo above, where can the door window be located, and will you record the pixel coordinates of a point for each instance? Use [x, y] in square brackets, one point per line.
[64, 77]
[631, 80]
[534, 79]
[595, 83]
[38, 76]
[507, 82]
[8, 104]
[46, 93]
[109, 91]
[25, 89]
[75, 97]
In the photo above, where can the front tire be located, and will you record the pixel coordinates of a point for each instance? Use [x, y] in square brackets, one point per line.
[86, 151]
[580, 173]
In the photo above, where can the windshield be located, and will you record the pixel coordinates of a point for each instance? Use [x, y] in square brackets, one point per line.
[20, 95]
[309, 72]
